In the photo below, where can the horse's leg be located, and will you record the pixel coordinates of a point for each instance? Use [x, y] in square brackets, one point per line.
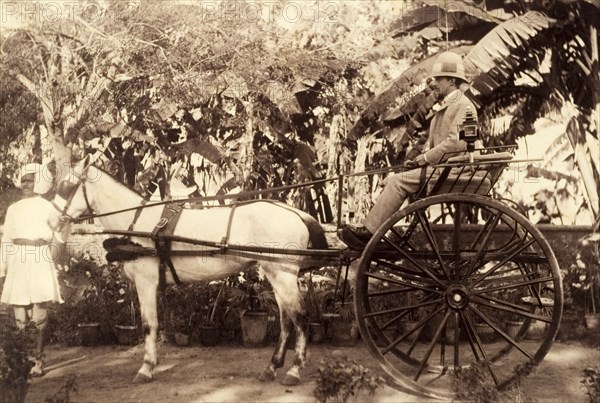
[292, 311]
[299, 317]
[146, 285]
[278, 358]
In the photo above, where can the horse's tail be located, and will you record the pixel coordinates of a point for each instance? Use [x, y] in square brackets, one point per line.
[316, 233]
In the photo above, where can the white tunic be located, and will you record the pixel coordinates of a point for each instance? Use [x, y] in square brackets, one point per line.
[29, 268]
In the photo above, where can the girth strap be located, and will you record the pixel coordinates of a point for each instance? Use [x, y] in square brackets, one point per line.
[166, 226]
[225, 240]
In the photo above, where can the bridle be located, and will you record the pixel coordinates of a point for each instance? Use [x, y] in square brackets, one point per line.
[81, 182]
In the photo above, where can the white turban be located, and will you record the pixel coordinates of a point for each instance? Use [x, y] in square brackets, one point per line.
[43, 177]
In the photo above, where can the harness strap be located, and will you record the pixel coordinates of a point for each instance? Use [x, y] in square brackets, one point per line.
[164, 228]
[138, 212]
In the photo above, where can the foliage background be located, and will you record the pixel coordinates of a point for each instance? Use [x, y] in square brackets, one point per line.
[187, 98]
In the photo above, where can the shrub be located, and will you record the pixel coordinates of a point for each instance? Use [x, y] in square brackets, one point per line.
[591, 381]
[475, 383]
[14, 363]
[341, 378]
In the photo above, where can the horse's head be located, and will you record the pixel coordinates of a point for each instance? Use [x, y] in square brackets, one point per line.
[71, 197]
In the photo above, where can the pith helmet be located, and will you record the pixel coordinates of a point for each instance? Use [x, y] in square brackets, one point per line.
[42, 177]
[449, 64]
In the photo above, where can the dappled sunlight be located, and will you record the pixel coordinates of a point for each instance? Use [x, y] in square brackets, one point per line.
[163, 368]
[238, 393]
[569, 357]
[229, 373]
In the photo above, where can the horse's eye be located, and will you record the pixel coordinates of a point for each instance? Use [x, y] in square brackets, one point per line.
[65, 189]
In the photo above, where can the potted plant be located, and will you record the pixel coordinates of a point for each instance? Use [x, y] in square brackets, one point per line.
[342, 328]
[182, 306]
[209, 330]
[587, 267]
[14, 364]
[313, 300]
[118, 293]
[86, 305]
[255, 300]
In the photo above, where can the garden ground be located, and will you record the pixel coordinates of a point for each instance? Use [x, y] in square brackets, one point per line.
[229, 373]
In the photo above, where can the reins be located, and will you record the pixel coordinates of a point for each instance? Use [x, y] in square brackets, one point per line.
[242, 195]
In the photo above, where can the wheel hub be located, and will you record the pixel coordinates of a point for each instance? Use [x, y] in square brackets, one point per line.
[457, 296]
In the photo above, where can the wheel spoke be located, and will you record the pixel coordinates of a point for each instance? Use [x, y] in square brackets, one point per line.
[414, 262]
[438, 333]
[503, 262]
[432, 242]
[501, 332]
[456, 235]
[472, 333]
[456, 335]
[419, 325]
[405, 283]
[480, 252]
[398, 270]
[515, 285]
[402, 308]
[510, 307]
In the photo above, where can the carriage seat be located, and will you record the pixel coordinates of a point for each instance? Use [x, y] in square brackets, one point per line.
[477, 180]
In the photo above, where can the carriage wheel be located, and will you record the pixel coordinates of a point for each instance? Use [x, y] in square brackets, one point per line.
[441, 284]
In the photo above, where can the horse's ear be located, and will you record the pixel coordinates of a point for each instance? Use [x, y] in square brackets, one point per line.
[86, 162]
[81, 166]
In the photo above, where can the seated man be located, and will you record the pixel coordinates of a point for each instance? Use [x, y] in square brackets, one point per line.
[449, 73]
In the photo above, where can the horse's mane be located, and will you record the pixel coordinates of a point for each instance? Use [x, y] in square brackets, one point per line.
[118, 181]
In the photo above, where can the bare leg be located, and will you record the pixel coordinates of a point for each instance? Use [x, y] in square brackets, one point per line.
[21, 318]
[39, 316]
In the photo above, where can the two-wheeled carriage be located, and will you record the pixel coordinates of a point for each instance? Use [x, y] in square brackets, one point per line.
[435, 287]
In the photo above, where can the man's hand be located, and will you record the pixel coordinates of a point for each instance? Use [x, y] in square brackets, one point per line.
[416, 163]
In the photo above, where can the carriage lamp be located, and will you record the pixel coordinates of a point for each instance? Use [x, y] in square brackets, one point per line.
[469, 132]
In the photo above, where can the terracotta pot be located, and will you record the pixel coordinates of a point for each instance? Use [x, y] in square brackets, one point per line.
[126, 335]
[537, 330]
[592, 321]
[89, 333]
[254, 328]
[512, 328]
[182, 339]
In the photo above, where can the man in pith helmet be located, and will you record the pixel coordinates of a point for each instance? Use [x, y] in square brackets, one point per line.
[448, 73]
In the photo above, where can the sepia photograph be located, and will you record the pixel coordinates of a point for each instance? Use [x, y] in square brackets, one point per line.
[299, 201]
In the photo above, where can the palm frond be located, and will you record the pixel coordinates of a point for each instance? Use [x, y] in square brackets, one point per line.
[498, 55]
[447, 16]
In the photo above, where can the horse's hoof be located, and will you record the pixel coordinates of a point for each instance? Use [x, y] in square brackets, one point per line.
[142, 378]
[266, 376]
[290, 380]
